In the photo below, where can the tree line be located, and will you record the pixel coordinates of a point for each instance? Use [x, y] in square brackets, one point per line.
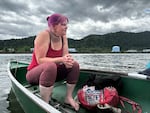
[92, 43]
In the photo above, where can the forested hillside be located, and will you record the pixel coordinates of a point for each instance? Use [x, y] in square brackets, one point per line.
[125, 40]
[90, 43]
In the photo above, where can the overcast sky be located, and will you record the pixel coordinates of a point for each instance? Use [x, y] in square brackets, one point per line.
[23, 18]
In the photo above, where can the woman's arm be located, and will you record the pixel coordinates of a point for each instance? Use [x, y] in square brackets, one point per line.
[41, 45]
[65, 46]
[68, 59]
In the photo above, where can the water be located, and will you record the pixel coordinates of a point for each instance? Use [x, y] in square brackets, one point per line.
[5, 84]
[107, 62]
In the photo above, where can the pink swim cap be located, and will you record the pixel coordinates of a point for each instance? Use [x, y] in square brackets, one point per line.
[55, 19]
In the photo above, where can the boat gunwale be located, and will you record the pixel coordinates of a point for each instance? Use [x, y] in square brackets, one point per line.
[45, 106]
[131, 75]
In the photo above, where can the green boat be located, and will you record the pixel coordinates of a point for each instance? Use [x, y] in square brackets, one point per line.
[135, 88]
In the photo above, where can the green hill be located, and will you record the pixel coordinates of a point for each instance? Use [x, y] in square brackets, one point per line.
[91, 43]
[104, 43]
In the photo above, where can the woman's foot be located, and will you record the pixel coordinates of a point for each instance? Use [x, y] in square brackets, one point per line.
[74, 104]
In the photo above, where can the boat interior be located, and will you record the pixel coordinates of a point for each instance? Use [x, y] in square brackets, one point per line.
[133, 88]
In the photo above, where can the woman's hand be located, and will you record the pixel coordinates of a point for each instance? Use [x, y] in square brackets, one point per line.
[68, 61]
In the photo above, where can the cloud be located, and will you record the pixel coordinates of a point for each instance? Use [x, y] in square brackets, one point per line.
[20, 18]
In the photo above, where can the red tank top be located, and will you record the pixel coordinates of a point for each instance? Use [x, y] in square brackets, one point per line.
[50, 53]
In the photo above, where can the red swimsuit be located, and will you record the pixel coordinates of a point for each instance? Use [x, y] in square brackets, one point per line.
[47, 73]
[51, 53]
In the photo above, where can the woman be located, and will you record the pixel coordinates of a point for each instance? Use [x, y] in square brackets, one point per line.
[51, 60]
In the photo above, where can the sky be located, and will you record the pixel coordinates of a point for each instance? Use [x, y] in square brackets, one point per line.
[23, 18]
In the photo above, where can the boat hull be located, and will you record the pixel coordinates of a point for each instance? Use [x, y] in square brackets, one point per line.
[134, 88]
[25, 102]
[29, 102]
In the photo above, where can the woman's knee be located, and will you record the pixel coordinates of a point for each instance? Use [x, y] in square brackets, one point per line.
[76, 65]
[49, 74]
[50, 66]
[32, 77]
[73, 75]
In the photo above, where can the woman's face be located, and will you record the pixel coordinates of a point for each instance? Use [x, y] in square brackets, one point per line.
[61, 28]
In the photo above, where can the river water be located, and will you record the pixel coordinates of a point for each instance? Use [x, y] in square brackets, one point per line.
[109, 62]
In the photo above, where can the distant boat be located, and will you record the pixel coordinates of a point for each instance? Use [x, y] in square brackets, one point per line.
[72, 50]
[135, 87]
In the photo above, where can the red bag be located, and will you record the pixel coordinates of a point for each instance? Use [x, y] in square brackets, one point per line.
[110, 96]
[89, 97]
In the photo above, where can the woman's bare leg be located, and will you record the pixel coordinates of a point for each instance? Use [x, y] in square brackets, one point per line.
[46, 92]
[69, 99]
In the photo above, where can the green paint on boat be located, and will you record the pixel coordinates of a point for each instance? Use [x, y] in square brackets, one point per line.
[133, 88]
